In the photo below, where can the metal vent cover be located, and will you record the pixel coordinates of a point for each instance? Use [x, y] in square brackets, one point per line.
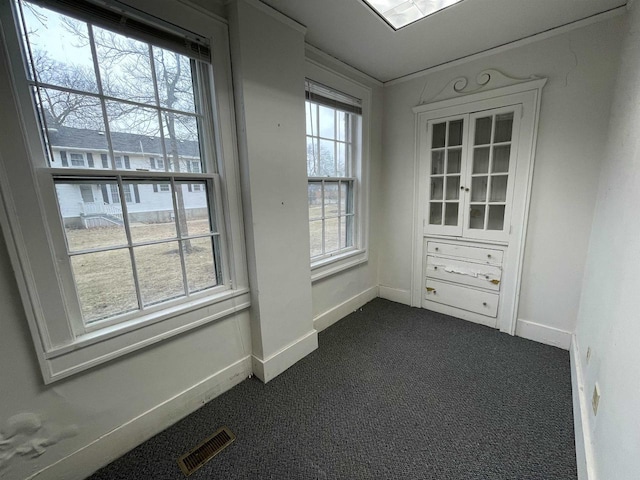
[192, 461]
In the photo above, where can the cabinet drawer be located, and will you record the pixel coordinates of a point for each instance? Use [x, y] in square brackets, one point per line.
[468, 273]
[484, 255]
[484, 303]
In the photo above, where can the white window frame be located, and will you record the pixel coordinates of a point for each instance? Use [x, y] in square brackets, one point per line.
[82, 159]
[30, 222]
[339, 261]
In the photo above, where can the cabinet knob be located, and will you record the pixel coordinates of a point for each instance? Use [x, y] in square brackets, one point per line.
[435, 268]
[436, 249]
[487, 277]
[489, 255]
[484, 304]
[466, 189]
[461, 188]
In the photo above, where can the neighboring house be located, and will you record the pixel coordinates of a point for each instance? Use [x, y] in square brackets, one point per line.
[97, 204]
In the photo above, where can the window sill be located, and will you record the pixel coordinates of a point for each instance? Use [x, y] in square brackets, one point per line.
[332, 265]
[109, 343]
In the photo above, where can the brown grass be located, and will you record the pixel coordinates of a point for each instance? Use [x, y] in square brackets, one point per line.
[104, 280]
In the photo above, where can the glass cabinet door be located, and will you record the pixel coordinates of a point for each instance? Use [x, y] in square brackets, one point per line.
[446, 169]
[492, 139]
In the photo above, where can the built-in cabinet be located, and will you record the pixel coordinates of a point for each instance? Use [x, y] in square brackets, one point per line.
[473, 166]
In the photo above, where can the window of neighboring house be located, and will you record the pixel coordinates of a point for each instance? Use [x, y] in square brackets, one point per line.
[86, 191]
[156, 163]
[196, 187]
[117, 88]
[77, 159]
[334, 158]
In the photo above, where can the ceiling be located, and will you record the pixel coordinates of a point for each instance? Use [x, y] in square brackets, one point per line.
[350, 31]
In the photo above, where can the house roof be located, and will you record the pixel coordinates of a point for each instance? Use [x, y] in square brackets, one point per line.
[69, 137]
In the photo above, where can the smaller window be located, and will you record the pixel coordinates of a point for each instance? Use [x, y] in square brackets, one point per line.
[77, 159]
[159, 163]
[164, 187]
[87, 193]
[118, 162]
[196, 187]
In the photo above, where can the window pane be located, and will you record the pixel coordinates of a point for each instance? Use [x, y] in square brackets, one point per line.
[439, 132]
[73, 121]
[455, 133]
[311, 118]
[342, 125]
[346, 198]
[133, 130]
[159, 272]
[453, 187]
[451, 213]
[152, 216]
[182, 142]
[454, 160]
[481, 160]
[435, 213]
[315, 200]
[90, 222]
[342, 160]
[437, 162]
[327, 158]
[104, 282]
[476, 217]
[479, 189]
[193, 209]
[327, 122]
[437, 188]
[504, 125]
[175, 83]
[332, 238]
[198, 258]
[125, 67]
[483, 131]
[501, 159]
[313, 160]
[61, 53]
[498, 189]
[496, 217]
[315, 236]
[331, 199]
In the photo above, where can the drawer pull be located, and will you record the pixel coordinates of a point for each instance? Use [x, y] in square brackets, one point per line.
[495, 281]
[484, 304]
[436, 249]
[488, 255]
[435, 268]
[430, 290]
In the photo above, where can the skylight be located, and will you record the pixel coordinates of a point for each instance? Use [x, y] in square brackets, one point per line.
[400, 13]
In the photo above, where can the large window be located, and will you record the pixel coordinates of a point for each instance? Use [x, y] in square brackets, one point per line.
[333, 124]
[132, 96]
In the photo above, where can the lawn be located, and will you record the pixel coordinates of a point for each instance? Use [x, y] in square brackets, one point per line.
[104, 280]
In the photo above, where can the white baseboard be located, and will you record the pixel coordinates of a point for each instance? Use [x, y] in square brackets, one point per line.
[581, 416]
[543, 334]
[119, 441]
[328, 318]
[269, 368]
[395, 295]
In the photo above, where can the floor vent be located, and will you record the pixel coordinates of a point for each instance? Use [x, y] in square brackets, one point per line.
[204, 452]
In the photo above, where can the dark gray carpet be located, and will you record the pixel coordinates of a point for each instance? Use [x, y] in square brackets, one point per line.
[392, 393]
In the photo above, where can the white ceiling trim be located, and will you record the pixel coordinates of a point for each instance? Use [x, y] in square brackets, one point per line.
[331, 60]
[599, 17]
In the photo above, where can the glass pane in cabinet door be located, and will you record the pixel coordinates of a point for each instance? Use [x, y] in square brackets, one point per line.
[479, 189]
[481, 160]
[437, 188]
[501, 155]
[435, 213]
[496, 217]
[451, 213]
[498, 189]
[437, 163]
[483, 131]
[504, 126]
[476, 217]
[455, 133]
[454, 159]
[453, 188]
[439, 135]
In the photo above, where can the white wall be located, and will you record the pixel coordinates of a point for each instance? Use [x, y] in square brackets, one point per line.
[608, 320]
[580, 66]
[268, 61]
